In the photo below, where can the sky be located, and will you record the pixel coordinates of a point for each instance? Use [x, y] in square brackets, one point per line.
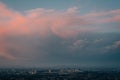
[59, 32]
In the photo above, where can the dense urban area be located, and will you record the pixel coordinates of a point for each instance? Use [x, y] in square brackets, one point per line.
[58, 74]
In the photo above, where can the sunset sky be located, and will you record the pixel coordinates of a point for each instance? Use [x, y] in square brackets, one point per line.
[59, 32]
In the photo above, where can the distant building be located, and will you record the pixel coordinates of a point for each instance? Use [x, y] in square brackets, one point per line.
[49, 71]
[33, 72]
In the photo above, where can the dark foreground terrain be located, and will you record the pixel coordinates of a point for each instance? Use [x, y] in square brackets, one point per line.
[58, 74]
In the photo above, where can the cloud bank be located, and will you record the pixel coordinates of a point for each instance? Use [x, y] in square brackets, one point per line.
[43, 21]
[33, 31]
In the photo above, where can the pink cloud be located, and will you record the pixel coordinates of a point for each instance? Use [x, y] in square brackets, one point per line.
[72, 10]
[43, 22]
[4, 53]
[103, 13]
[5, 12]
[7, 56]
[104, 16]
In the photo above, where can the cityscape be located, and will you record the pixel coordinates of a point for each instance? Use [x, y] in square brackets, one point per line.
[59, 39]
[58, 74]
